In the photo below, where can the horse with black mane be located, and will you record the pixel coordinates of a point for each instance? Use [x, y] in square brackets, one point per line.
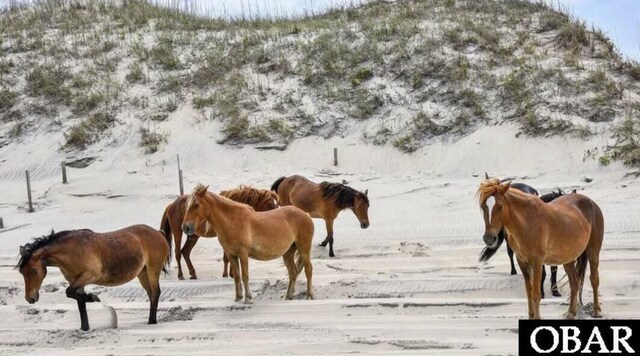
[108, 259]
[324, 200]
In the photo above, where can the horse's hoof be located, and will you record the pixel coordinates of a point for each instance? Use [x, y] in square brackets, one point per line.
[288, 297]
[181, 278]
[323, 244]
[331, 254]
[238, 299]
[193, 277]
[248, 301]
[151, 322]
[93, 298]
[310, 297]
[84, 328]
[225, 275]
[555, 293]
[513, 273]
[596, 314]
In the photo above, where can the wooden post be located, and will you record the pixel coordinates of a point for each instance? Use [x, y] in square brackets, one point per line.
[29, 192]
[180, 176]
[64, 172]
[1, 224]
[335, 156]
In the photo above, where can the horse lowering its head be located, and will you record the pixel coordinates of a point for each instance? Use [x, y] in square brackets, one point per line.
[32, 267]
[492, 202]
[344, 197]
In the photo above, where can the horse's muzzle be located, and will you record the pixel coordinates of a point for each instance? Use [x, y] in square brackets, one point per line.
[188, 229]
[33, 299]
[490, 240]
[364, 225]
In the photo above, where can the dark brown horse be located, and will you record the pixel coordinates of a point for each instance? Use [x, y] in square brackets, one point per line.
[259, 199]
[245, 233]
[324, 200]
[567, 231]
[107, 259]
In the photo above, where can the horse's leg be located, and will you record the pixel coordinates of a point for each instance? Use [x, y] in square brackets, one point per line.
[554, 281]
[329, 239]
[149, 281]
[186, 252]
[84, 319]
[544, 276]
[308, 271]
[225, 261]
[510, 253]
[595, 283]
[570, 270]
[178, 254]
[244, 263]
[235, 266]
[536, 280]
[526, 274]
[289, 261]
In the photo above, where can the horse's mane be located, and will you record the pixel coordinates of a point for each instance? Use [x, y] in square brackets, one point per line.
[30, 248]
[551, 196]
[198, 189]
[249, 195]
[343, 196]
[487, 189]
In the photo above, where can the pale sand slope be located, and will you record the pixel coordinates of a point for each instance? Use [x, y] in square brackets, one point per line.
[410, 283]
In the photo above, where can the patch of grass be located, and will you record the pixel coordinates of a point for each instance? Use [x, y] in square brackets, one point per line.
[361, 76]
[136, 73]
[17, 129]
[573, 36]
[49, 81]
[88, 130]
[84, 103]
[164, 56]
[239, 130]
[7, 99]
[150, 140]
[627, 139]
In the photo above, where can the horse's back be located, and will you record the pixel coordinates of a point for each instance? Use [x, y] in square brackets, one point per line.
[586, 207]
[300, 192]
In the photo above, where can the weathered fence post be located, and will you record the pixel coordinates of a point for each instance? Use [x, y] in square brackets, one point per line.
[1, 224]
[180, 176]
[335, 156]
[29, 192]
[64, 172]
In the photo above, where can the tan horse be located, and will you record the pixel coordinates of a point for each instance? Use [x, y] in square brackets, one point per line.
[243, 233]
[567, 231]
[324, 200]
[259, 199]
[107, 259]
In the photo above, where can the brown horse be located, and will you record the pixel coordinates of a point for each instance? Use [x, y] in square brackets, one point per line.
[108, 259]
[259, 199]
[567, 231]
[324, 200]
[243, 233]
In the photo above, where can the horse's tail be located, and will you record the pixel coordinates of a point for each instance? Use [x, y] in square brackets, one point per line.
[488, 252]
[581, 268]
[276, 184]
[165, 229]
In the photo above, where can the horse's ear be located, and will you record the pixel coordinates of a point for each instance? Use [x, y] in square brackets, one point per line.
[366, 192]
[486, 176]
[574, 191]
[23, 251]
[504, 187]
[201, 191]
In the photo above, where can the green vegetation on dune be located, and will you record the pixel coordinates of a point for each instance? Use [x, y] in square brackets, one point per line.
[411, 70]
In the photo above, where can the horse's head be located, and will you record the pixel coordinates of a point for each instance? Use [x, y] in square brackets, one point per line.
[33, 269]
[196, 212]
[269, 201]
[361, 208]
[494, 208]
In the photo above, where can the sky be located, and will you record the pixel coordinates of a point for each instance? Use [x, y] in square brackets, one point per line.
[619, 19]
